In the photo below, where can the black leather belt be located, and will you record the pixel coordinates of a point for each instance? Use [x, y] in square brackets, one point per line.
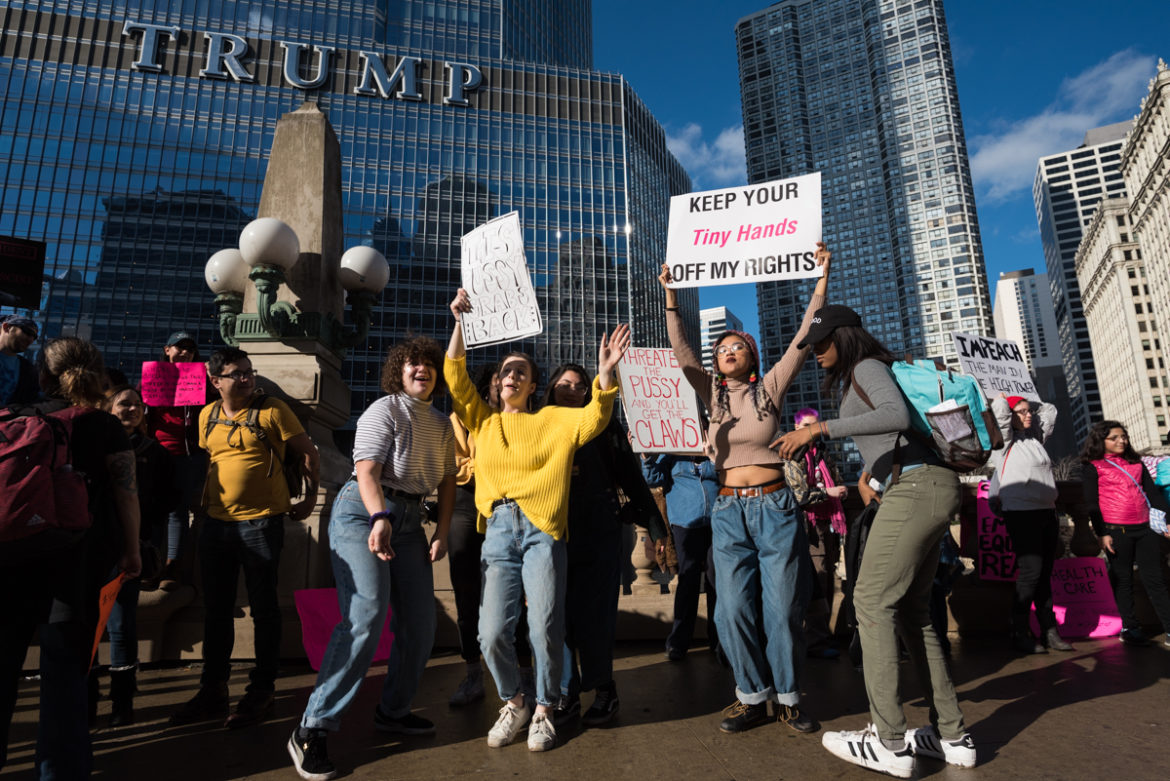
[388, 492]
[501, 502]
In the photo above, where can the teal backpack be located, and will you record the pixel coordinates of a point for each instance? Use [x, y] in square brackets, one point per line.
[948, 413]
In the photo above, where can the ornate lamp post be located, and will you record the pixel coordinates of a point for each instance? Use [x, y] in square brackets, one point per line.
[226, 274]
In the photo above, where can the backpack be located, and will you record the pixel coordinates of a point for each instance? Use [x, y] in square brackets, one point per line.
[42, 499]
[292, 466]
[963, 432]
[1162, 476]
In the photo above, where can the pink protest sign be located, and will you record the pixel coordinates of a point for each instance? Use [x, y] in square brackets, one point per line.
[994, 558]
[174, 384]
[1082, 599]
[319, 614]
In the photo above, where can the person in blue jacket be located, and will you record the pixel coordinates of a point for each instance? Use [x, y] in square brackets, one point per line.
[690, 485]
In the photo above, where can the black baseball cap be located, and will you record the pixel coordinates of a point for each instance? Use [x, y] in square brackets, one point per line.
[179, 336]
[826, 320]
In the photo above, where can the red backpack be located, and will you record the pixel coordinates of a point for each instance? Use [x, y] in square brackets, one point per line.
[41, 496]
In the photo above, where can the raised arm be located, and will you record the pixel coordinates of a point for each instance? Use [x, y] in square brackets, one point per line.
[456, 349]
[467, 404]
[698, 377]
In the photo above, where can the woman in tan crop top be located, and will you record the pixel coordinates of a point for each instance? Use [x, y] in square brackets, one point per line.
[757, 532]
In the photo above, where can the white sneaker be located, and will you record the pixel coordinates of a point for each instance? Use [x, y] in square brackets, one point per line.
[865, 748]
[508, 726]
[541, 734]
[925, 742]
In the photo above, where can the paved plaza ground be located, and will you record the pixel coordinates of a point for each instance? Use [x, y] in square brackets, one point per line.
[1102, 712]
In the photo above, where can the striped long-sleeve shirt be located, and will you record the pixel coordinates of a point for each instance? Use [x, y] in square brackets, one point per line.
[410, 438]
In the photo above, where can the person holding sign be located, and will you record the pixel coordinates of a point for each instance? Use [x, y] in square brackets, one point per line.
[757, 529]
[524, 462]
[1121, 497]
[901, 556]
[1023, 493]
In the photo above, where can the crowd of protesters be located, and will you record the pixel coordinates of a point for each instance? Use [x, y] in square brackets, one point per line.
[532, 496]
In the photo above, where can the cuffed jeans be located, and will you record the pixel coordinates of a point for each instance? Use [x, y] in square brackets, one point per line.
[593, 582]
[693, 546]
[892, 595]
[1033, 534]
[520, 560]
[224, 548]
[1138, 543]
[761, 562]
[366, 588]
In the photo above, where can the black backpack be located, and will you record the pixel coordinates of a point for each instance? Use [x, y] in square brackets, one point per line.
[292, 466]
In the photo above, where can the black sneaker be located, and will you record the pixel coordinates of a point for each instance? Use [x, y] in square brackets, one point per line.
[675, 654]
[307, 749]
[210, 702]
[1134, 637]
[254, 708]
[410, 724]
[742, 717]
[605, 706]
[794, 717]
[567, 709]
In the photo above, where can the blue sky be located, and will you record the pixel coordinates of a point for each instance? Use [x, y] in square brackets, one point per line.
[1033, 76]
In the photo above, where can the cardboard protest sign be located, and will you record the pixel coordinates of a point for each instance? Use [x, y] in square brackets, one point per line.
[1082, 599]
[167, 384]
[319, 614]
[661, 406]
[996, 364]
[995, 559]
[495, 275]
[756, 233]
[106, 599]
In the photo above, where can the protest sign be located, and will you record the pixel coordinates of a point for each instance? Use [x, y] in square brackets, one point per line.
[996, 364]
[167, 384]
[660, 404]
[319, 614]
[756, 233]
[495, 275]
[995, 559]
[1082, 599]
[106, 599]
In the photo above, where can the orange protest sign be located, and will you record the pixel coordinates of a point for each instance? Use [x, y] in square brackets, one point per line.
[106, 599]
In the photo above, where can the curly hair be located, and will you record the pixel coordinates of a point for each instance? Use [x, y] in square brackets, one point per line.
[1094, 447]
[74, 370]
[417, 349]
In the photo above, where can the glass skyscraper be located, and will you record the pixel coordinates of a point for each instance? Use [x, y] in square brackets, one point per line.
[864, 92]
[134, 141]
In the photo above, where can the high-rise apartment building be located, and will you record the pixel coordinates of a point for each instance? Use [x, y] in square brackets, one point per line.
[1145, 165]
[1024, 314]
[712, 323]
[135, 141]
[1119, 314]
[1067, 189]
[864, 92]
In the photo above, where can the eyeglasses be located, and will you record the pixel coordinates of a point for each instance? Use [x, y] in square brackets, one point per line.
[242, 374]
[727, 349]
[1023, 412]
[573, 386]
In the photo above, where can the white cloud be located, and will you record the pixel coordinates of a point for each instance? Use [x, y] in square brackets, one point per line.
[719, 163]
[1005, 163]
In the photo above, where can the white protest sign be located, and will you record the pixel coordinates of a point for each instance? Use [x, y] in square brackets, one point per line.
[495, 275]
[756, 233]
[996, 364]
[660, 404]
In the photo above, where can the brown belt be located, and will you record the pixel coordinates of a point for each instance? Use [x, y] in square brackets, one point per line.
[751, 490]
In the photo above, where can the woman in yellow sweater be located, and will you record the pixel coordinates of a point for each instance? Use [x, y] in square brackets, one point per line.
[524, 463]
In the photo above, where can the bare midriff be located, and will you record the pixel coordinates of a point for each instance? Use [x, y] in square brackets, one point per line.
[751, 474]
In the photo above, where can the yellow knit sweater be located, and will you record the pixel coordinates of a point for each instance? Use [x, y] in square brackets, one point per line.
[526, 457]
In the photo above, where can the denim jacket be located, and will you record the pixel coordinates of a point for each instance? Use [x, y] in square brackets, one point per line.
[690, 487]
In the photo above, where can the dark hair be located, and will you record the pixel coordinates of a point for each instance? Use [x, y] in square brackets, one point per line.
[194, 352]
[417, 349]
[73, 369]
[118, 390]
[531, 364]
[1094, 447]
[722, 405]
[854, 344]
[550, 394]
[482, 379]
[222, 357]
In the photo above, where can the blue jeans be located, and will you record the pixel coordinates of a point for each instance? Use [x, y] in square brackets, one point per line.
[226, 547]
[761, 562]
[592, 585]
[190, 474]
[366, 588]
[123, 625]
[520, 560]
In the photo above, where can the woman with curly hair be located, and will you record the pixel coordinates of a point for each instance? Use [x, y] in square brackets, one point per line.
[403, 450]
[757, 529]
[1119, 493]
